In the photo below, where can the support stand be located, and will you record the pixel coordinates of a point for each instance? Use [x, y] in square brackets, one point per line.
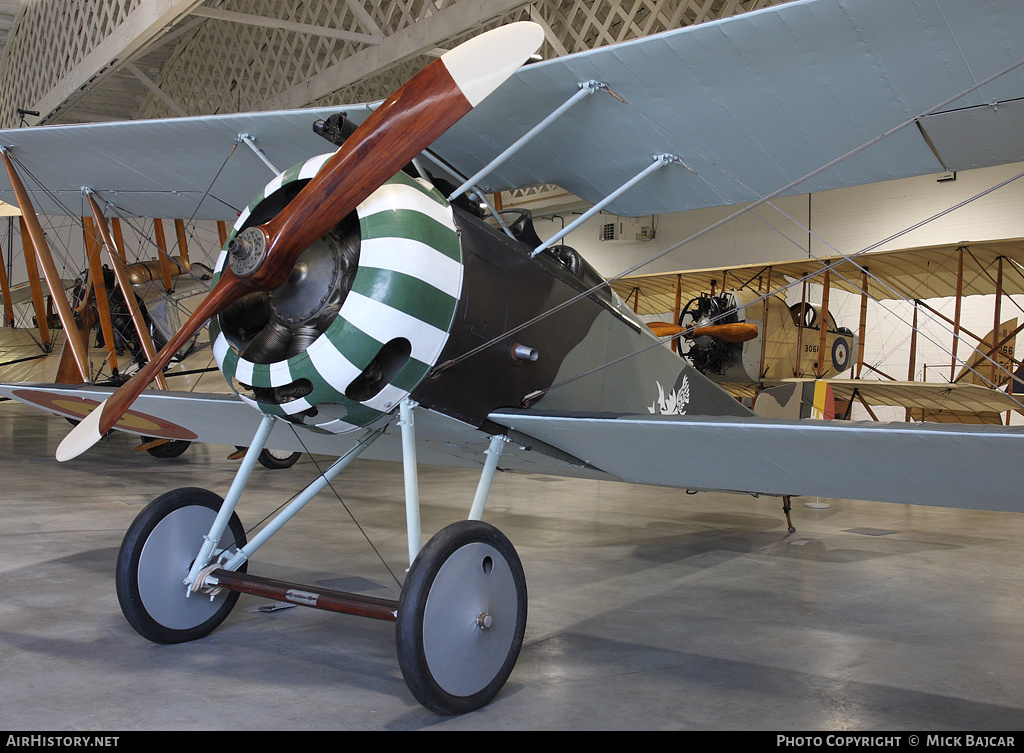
[786, 508]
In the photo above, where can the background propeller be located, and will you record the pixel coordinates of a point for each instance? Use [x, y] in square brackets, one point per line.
[261, 258]
[735, 332]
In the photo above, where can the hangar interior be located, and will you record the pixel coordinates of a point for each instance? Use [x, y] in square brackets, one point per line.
[650, 608]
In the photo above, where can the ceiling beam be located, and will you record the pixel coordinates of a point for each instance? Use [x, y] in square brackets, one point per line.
[364, 18]
[415, 39]
[157, 91]
[139, 28]
[277, 23]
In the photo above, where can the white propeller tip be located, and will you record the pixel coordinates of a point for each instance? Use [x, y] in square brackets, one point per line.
[82, 437]
[482, 64]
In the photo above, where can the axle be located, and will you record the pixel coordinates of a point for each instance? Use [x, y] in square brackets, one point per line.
[306, 596]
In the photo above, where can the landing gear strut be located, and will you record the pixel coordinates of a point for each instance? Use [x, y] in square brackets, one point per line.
[460, 619]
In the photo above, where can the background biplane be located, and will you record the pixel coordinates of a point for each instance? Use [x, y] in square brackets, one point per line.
[118, 332]
[361, 309]
[971, 387]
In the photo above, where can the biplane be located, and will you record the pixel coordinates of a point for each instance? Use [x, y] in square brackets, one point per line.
[786, 338]
[363, 307]
[121, 314]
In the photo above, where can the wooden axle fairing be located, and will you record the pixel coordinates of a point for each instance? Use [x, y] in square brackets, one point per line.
[307, 596]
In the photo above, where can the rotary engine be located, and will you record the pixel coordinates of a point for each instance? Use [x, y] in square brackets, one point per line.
[363, 315]
[709, 355]
[274, 326]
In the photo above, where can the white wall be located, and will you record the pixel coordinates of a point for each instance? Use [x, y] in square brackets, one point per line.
[847, 220]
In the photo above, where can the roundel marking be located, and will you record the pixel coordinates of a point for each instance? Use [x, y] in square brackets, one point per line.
[840, 354]
[134, 421]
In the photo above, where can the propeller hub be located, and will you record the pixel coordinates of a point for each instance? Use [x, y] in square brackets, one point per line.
[246, 251]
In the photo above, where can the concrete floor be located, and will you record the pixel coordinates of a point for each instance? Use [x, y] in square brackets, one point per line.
[649, 608]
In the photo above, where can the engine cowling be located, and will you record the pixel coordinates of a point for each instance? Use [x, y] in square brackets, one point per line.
[363, 317]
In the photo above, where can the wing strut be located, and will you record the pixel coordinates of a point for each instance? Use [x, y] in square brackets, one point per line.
[125, 283]
[96, 289]
[660, 160]
[250, 141]
[53, 279]
[588, 87]
[5, 291]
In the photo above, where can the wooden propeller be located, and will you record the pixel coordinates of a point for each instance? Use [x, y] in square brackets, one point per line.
[738, 332]
[261, 258]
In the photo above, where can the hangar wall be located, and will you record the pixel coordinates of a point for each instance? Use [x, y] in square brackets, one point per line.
[846, 219]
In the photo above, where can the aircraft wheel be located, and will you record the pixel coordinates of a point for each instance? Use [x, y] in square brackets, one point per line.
[171, 449]
[278, 459]
[155, 557]
[461, 618]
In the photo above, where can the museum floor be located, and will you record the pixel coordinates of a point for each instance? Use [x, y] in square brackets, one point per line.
[649, 608]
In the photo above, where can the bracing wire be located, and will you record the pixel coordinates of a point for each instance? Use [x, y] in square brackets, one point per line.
[749, 208]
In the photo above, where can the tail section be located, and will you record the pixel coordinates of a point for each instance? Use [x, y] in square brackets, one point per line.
[805, 399]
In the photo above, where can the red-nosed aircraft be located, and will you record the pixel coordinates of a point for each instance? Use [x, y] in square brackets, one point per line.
[362, 307]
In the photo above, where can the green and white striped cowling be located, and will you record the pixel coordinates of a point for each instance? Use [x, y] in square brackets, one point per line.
[407, 286]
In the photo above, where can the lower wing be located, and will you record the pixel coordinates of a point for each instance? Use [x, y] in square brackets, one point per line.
[948, 465]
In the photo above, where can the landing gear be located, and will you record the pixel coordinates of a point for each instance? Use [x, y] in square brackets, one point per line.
[278, 459]
[461, 618]
[155, 557]
[272, 459]
[171, 449]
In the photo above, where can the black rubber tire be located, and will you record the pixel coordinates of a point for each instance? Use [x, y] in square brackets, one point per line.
[274, 462]
[156, 604]
[437, 631]
[171, 449]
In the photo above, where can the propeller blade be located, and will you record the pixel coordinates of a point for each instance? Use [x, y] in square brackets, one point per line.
[261, 258]
[738, 332]
[731, 333]
[665, 329]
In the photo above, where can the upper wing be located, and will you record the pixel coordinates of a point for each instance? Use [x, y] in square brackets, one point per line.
[931, 464]
[186, 167]
[751, 104]
[755, 102]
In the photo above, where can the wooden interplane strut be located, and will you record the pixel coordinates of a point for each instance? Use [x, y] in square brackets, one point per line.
[116, 256]
[53, 279]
